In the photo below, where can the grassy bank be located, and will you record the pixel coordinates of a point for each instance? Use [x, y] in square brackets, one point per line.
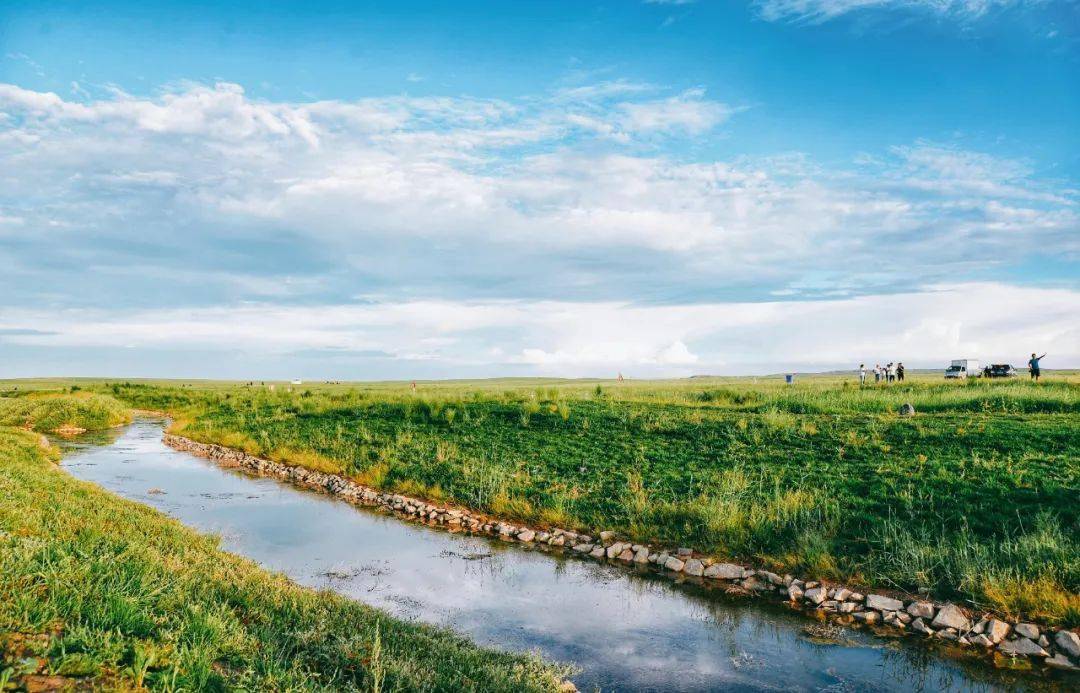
[111, 592]
[975, 498]
[50, 413]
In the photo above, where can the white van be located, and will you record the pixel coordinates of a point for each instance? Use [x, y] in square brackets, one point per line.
[963, 368]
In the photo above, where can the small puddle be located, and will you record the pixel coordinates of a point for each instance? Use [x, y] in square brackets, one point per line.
[626, 631]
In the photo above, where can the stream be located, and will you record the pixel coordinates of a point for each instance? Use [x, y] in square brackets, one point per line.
[625, 630]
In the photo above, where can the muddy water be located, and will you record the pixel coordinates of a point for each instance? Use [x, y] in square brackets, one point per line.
[625, 630]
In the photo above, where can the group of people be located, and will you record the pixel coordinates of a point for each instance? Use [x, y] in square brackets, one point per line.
[894, 372]
[890, 373]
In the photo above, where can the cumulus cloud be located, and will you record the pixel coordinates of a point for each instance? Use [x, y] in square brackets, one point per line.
[503, 174]
[555, 210]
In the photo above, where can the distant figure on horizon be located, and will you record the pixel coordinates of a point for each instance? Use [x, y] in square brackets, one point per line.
[890, 371]
[900, 372]
[1033, 365]
[877, 372]
[862, 374]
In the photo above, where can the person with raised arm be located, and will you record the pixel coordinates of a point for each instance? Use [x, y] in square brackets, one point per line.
[1033, 365]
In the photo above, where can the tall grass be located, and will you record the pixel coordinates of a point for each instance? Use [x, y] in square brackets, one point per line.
[1024, 572]
[823, 477]
[47, 413]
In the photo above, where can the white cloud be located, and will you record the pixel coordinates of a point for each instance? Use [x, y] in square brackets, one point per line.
[353, 172]
[470, 200]
[816, 11]
[688, 112]
[991, 321]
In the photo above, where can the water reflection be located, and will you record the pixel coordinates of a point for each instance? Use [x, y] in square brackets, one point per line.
[627, 630]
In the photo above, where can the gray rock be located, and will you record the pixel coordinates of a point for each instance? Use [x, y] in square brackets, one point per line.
[950, 616]
[526, 535]
[981, 640]
[1027, 630]
[921, 609]
[543, 536]
[694, 567]
[1060, 661]
[597, 552]
[559, 540]
[919, 626]
[683, 552]
[725, 571]
[795, 592]
[880, 602]
[866, 616]
[1022, 647]
[907, 409]
[816, 595]
[607, 536]
[841, 594]
[583, 548]
[755, 584]
[1068, 642]
[771, 577]
[996, 630]
[848, 607]
[674, 564]
[626, 556]
[642, 555]
[856, 597]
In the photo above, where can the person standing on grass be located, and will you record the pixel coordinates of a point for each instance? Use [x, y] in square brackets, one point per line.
[862, 374]
[890, 372]
[900, 372]
[877, 372]
[1033, 365]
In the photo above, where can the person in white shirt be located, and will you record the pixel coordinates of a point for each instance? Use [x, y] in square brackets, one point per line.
[862, 373]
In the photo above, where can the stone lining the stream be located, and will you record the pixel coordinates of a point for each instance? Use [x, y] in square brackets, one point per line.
[942, 621]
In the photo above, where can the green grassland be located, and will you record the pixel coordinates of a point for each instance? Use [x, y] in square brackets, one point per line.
[977, 497]
[114, 595]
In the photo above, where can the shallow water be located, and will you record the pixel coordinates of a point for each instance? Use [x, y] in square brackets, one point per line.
[625, 630]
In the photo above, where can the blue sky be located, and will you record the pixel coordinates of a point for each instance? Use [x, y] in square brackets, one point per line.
[409, 189]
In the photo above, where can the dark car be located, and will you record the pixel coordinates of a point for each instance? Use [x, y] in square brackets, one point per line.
[999, 370]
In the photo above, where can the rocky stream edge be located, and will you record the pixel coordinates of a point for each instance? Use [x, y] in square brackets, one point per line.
[1058, 649]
